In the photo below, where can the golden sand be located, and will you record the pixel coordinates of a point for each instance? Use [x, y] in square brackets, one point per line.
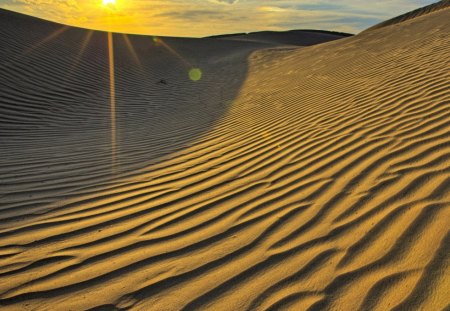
[281, 178]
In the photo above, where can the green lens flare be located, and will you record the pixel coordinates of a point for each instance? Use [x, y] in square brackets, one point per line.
[156, 40]
[195, 74]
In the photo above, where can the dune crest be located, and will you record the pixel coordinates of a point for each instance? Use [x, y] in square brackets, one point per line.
[285, 178]
[440, 5]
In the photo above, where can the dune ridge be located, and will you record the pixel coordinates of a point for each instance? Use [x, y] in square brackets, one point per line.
[310, 178]
[292, 37]
[440, 5]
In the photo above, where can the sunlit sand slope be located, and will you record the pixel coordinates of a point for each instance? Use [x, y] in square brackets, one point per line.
[438, 5]
[309, 178]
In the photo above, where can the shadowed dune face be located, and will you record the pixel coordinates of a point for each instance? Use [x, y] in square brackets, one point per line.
[63, 79]
[69, 118]
[322, 185]
[66, 121]
[59, 122]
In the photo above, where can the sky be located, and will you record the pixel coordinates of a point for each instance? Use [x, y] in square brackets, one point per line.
[198, 18]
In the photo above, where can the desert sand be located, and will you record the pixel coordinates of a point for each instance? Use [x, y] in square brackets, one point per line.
[284, 177]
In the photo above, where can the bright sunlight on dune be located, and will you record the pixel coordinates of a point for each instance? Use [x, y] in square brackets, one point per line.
[228, 173]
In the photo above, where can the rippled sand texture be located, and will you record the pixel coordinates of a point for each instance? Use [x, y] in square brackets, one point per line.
[287, 178]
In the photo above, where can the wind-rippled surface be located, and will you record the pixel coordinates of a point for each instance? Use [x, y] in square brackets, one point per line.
[286, 178]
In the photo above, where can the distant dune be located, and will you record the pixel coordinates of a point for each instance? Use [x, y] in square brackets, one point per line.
[292, 37]
[149, 173]
[440, 5]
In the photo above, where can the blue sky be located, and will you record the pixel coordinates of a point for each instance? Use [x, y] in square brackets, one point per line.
[207, 17]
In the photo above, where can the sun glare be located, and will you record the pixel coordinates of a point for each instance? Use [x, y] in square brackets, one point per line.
[109, 2]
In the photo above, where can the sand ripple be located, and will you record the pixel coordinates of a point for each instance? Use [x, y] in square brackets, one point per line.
[309, 178]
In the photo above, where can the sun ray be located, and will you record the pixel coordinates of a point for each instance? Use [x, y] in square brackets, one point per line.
[112, 100]
[84, 44]
[50, 37]
[37, 45]
[132, 50]
[194, 73]
[159, 41]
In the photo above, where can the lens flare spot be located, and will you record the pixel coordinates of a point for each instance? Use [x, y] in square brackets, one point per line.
[195, 74]
[156, 41]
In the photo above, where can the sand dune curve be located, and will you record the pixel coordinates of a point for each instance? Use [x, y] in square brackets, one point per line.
[293, 37]
[313, 178]
[439, 5]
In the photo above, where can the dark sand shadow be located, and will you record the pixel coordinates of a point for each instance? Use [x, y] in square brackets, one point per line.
[83, 109]
[57, 130]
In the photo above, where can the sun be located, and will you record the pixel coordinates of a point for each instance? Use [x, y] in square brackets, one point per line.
[109, 2]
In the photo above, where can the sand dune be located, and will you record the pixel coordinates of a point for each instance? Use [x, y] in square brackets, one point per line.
[292, 37]
[440, 5]
[312, 178]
